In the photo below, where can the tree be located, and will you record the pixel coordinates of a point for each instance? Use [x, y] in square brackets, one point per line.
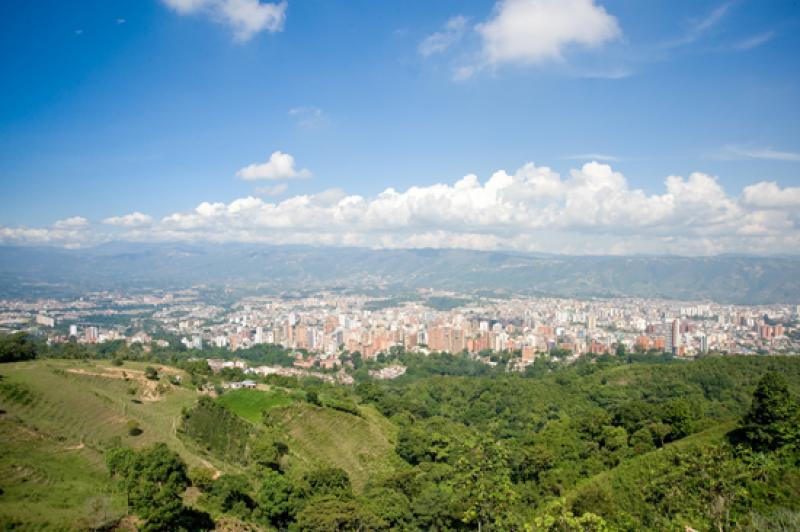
[313, 398]
[557, 518]
[772, 420]
[151, 373]
[391, 506]
[331, 481]
[486, 487]
[326, 514]
[275, 500]
[231, 494]
[154, 480]
[18, 346]
[677, 415]
[267, 452]
[660, 432]
[642, 441]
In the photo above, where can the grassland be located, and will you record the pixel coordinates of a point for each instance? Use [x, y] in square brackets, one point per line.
[362, 446]
[250, 404]
[58, 419]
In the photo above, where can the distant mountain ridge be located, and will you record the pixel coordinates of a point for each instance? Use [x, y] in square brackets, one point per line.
[725, 278]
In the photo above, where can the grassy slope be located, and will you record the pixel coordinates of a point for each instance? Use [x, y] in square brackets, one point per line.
[51, 452]
[322, 436]
[362, 446]
[52, 470]
[250, 404]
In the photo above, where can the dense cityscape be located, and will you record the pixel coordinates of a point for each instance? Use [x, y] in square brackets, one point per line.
[323, 326]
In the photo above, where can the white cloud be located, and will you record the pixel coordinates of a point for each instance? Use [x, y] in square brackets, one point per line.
[134, 219]
[440, 41]
[245, 17]
[70, 232]
[592, 209]
[733, 153]
[768, 195]
[272, 190]
[280, 166]
[535, 31]
[75, 222]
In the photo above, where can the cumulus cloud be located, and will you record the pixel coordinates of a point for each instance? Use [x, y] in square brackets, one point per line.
[592, 209]
[440, 41]
[69, 232]
[279, 166]
[535, 31]
[134, 219]
[75, 222]
[768, 195]
[245, 17]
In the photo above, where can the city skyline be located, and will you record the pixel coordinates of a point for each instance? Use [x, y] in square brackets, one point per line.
[600, 127]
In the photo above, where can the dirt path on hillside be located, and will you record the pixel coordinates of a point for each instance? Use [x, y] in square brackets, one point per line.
[148, 389]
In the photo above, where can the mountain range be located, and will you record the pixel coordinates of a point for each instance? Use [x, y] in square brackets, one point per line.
[37, 271]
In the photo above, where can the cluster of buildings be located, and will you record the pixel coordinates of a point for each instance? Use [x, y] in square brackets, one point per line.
[327, 325]
[300, 370]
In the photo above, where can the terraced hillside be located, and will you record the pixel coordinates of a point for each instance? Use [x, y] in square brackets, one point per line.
[59, 416]
[362, 446]
[58, 419]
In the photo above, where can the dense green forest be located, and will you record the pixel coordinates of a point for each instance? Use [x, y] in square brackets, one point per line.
[627, 442]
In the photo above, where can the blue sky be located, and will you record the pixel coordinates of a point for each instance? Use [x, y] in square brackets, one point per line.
[115, 107]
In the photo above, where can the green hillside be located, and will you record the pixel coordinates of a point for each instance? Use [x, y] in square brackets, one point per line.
[60, 416]
[362, 446]
[613, 443]
[251, 404]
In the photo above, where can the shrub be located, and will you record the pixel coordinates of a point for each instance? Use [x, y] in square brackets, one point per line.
[133, 428]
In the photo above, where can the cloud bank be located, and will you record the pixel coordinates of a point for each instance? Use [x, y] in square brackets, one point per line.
[592, 210]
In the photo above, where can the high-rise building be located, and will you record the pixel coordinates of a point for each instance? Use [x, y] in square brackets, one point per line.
[90, 334]
[703, 343]
[675, 337]
[73, 330]
[197, 342]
